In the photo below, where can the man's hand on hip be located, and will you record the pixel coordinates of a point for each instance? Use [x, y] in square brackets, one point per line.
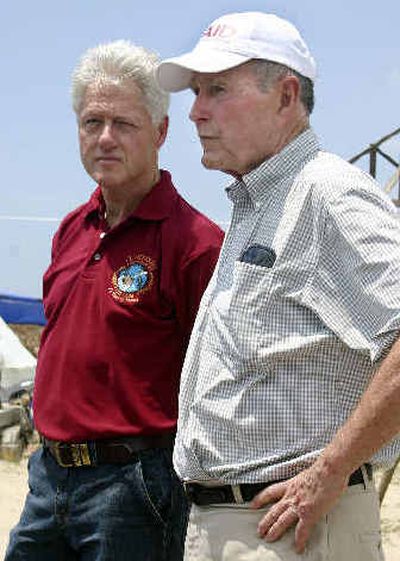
[300, 502]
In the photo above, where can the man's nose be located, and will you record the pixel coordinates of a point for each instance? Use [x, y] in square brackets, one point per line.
[106, 138]
[200, 109]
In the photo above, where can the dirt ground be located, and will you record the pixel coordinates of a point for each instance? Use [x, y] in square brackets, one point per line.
[13, 486]
[390, 519]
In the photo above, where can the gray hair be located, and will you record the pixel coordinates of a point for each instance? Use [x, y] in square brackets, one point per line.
[120, 63]
[269, 72]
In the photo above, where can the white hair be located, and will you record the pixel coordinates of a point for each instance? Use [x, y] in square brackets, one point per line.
[119, 63]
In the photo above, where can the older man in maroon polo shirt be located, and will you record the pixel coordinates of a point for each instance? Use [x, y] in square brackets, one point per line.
[127, 273]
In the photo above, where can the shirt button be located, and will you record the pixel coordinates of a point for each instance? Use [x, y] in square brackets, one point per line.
[102, 235]
[97, 256]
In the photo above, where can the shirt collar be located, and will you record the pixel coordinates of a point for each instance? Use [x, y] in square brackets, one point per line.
[258, 183]
[156, 205]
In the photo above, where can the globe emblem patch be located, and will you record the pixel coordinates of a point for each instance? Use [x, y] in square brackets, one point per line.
[133, 279]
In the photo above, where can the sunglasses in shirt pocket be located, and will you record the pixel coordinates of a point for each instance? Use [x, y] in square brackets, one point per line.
[260, 255]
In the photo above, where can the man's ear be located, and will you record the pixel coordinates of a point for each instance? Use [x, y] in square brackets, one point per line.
[162, 130]
[290, 91]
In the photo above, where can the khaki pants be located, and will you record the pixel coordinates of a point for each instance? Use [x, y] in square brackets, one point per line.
[350, 532]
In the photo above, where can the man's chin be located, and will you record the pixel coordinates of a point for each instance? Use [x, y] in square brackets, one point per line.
[104, 180]
[210, 163]
[217, 165]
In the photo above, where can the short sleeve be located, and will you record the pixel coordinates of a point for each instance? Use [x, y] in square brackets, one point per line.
[356, 286]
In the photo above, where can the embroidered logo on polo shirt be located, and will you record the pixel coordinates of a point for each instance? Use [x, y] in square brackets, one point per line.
[133, 279]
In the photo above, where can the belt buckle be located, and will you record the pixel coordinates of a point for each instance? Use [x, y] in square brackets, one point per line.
[80, 455]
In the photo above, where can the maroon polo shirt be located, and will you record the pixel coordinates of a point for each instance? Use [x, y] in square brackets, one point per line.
[120, 305]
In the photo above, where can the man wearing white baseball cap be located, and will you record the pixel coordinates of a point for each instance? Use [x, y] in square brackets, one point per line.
[290, 391]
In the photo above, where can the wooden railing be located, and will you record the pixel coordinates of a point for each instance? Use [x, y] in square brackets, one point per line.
[373, 151]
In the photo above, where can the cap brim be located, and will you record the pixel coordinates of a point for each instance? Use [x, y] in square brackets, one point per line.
[175, 74]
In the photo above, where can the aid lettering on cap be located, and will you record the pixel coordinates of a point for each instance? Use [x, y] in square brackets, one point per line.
[219, 30]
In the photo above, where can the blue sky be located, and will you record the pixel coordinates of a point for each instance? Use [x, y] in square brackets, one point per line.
[355, 43]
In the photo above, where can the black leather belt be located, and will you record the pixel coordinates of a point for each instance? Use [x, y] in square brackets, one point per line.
[113, 451]
[245, 492]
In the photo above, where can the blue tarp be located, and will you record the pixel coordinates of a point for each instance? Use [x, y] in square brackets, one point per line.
[21, 309]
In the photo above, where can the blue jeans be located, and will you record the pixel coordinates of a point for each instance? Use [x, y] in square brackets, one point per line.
[134, 512]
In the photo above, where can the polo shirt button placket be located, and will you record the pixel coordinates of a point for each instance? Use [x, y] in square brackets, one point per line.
[97, 256]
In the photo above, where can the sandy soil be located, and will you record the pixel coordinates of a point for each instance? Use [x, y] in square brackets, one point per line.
[13, 486]
[390, 519]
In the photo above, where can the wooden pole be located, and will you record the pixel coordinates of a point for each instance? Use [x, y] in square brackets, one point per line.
[372, 161]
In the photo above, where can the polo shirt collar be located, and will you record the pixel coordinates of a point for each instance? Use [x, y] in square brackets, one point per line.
[258, 183]
[156, 205]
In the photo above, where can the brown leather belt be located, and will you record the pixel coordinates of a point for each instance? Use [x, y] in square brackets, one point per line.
[113, 451]
[204, 495]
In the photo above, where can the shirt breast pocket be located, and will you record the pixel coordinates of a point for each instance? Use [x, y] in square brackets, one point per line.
[253, 286]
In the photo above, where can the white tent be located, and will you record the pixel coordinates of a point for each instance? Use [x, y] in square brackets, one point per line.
[17, 364]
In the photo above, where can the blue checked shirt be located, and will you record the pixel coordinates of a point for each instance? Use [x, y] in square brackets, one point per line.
[280, 355]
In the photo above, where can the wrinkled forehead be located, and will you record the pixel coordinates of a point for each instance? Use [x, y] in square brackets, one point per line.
[243, 71]
[103, 88]
[124, 95]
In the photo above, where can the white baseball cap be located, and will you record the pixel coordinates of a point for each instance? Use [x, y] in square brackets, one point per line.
[234, 39]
